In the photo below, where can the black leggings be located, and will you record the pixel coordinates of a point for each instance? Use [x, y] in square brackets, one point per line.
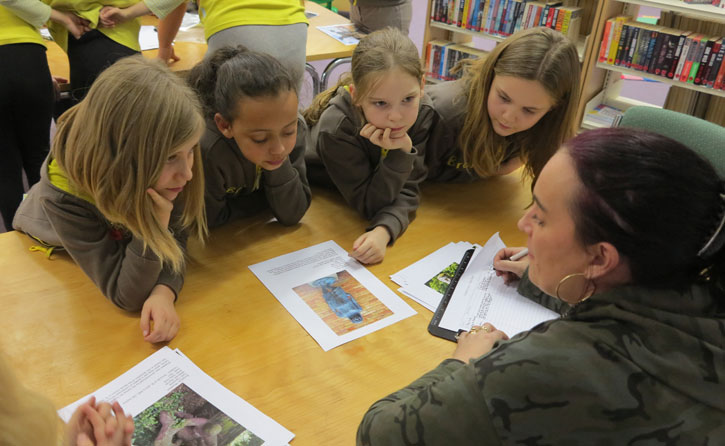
[26, 108]
[88, 56]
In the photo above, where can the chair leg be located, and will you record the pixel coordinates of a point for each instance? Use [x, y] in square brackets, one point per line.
[315, 78]
[328, 69]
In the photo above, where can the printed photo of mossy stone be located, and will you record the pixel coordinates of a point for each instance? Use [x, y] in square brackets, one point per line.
[183, 418]
[441, 280]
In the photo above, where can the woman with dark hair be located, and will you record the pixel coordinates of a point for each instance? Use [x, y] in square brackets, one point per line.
[635, 266]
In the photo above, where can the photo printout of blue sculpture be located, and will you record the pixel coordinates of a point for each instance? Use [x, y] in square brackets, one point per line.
[333, 296]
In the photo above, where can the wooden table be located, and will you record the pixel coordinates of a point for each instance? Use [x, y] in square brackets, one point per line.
[66, 340]
[320, 46]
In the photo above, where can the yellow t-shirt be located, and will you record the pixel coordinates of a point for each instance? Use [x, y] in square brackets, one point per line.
[218, 15]
[58, 178]
[126, 33]
[13, 29]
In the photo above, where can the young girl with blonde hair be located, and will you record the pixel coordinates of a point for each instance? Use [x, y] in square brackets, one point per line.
[515, 106]
[368, 137]
[120, 189]
[254, 142]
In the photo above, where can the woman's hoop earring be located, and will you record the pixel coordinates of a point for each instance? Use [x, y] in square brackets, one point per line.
[586, 296]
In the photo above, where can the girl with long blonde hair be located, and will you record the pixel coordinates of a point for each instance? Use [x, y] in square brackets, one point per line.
[120, 190]
[368, 136]
[514, 106]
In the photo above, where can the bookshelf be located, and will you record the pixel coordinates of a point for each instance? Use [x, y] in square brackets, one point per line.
[604, 79]
[601, 82]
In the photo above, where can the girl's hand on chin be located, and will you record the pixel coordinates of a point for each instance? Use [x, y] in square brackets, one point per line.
[381, 138]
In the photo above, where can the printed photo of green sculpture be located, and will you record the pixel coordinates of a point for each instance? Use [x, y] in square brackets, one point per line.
[342, 302]
[441, 280]
[183, 418]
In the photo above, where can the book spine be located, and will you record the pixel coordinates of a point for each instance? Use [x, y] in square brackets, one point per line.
[499, 15]
[606, 40]
[537, 16]
[704, 61]
[468, 7]
[645, 35]
[669, 55]
[622, 44]
[696, 60]
[706, 75]
[461, 12]
[482, 13]
[472, 20]
[656, 52]
[661, 54]
[650, 50]
[492, 11]
[560, 19]
[632, 46]
[501, 23]
[516, 16]
[676, 59]
[719, 79]
[716, 66]
[442, 67]
[550, 17]
[683, 57]
[615, 41]
[544, 15]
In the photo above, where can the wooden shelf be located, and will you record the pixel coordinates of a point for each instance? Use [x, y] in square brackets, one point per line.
[580, 43]
[689, 86]
[704, 12]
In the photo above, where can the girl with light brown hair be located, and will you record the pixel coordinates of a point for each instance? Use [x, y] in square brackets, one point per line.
[514, 106]
[368, 137]
[120, 190]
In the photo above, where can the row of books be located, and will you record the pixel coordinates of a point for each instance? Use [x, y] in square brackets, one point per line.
[442, 56]
[505, 17]
[683, 56]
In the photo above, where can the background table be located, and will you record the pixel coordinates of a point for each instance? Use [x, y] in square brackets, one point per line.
[320, 46]
[66, 340]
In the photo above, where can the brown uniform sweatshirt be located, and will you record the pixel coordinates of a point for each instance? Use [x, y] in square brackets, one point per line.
[230, 179]
[444, 158]
[114, 259]
[382, 186]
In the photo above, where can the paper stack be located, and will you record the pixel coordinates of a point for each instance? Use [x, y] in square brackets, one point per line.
[426, 280]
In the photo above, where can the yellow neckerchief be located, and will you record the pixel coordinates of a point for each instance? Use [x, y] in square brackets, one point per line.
[58, 178]
[257, 177]
[383, 152]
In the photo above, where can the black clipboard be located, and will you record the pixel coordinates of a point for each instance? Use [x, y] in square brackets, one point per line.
[433, 327]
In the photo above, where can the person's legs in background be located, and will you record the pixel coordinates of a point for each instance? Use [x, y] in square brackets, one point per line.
[373, 18]
[287, 43]
[88, 56]
[26, 108]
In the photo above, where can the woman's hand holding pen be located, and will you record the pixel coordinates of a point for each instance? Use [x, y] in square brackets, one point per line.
[507, 264]
[381, 138]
